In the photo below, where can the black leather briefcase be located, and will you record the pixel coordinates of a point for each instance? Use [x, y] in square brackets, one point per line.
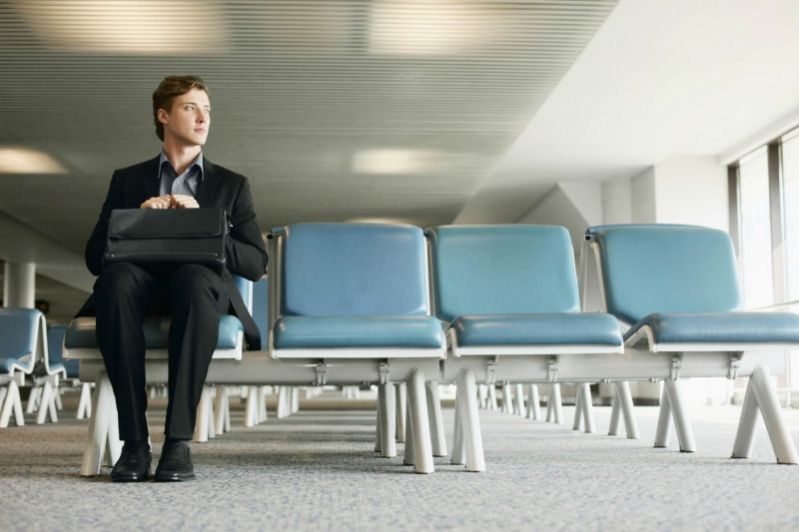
[168, 236]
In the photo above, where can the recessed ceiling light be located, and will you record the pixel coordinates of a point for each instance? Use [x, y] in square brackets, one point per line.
[435, 27]
[150, 27]
[395, 161]
[28, 161]
[373, 220]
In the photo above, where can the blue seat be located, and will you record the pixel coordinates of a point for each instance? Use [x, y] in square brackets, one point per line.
[19, 331]
[352, 287]
[81, 343]
[720, 328]
[260, 307]
[678, 288]
[513, 285]
[364, 331]
[679, 284]
[55, 346]
[21, 345]
[80, 334]
[359, 294]
[538, 329]
[511, 290]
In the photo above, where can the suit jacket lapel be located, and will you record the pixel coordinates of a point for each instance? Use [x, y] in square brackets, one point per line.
[205, 196]
[151, 178]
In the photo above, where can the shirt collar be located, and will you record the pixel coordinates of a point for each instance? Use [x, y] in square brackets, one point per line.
[198, 163]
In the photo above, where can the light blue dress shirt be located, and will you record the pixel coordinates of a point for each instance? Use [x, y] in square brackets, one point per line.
[186, 183]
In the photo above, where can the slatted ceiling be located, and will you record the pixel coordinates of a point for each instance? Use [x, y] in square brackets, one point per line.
[298, 89]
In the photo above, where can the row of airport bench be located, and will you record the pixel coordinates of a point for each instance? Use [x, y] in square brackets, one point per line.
[359, 304]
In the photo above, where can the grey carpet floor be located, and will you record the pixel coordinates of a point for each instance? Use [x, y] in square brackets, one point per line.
[316, 470]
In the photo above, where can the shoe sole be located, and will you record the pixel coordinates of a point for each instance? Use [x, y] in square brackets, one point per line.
[175, 477]
[135, 478]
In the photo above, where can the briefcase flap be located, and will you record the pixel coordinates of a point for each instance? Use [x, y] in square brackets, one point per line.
[135, 224]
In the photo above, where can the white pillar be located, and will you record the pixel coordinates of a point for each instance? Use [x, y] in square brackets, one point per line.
[19, 284]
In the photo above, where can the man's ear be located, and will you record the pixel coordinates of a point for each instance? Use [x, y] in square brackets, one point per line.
[163, 115]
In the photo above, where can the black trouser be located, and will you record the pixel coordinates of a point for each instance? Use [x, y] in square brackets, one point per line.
[195, 297]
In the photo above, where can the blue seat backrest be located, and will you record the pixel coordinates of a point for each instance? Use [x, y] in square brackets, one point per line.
[666, 268]
[260, 307]
[503, 269]
[244, 287]
[55, 343]
[354, 270]
[18, 329]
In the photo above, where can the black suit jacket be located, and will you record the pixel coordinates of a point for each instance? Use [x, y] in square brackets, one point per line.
[220, 188]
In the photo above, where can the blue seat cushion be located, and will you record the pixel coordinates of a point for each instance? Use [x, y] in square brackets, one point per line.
[423, 332]
[72, 368]
[538, 329]
[81, 333]
[5, 364]
[721, 327]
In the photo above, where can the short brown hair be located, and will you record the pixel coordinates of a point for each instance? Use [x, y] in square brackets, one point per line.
[168, 90]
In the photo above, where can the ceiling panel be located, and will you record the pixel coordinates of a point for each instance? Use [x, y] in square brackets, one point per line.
[300, 91]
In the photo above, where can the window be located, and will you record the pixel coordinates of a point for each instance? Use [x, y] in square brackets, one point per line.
[790, 209]
[755, 232]
[767, 186]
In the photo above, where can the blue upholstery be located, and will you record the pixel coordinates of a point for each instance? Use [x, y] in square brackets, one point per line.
[667, 269]
[18, 328]
[424, 332]
[81, 333]
[244, 286]
[355, 286]
[538, 329]
[723, 328]
[503, 269]
[260, 307]
[354, 270]
[513, 285]
[55, 341]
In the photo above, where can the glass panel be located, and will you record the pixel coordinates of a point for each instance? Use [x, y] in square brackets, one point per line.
[790, 173]
[756, 230]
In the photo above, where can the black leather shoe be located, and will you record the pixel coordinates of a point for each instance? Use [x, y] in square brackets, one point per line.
[175, 463]
[133, 464]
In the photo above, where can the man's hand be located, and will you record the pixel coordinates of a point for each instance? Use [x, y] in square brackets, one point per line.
[157, 202]
[181, 201]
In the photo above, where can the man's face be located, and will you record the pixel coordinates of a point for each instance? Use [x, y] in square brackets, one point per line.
[189, 120]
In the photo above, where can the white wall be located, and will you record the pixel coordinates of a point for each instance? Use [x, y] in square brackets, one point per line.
[692, 190]
[617, 201]
[642, 195]
[630, 200]
[572, 205]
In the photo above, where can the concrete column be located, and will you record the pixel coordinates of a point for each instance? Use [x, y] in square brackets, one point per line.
[19, 284]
